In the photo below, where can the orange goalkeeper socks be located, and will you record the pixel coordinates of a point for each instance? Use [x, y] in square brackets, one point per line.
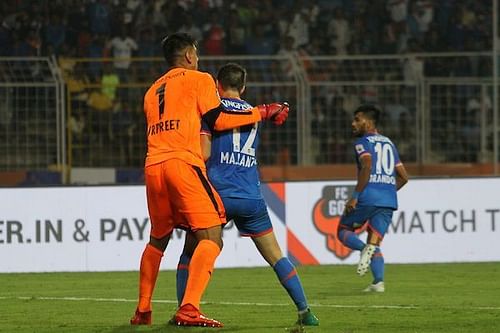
[200, 271]
[150, 265]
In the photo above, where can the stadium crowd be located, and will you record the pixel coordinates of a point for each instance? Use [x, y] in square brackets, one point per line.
[97, 28]
[94, 29]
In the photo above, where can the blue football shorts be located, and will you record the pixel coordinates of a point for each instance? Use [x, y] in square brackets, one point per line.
[249, 215]
[378, 218]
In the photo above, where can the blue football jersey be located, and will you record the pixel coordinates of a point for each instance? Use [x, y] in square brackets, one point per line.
[381, 188]
[232, 166]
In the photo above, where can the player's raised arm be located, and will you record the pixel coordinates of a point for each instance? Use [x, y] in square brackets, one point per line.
[220, 119]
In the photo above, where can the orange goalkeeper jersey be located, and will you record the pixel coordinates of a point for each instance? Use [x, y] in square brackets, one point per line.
[173, 107]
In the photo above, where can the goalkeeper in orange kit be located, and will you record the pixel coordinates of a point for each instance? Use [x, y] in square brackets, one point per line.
[179, 194]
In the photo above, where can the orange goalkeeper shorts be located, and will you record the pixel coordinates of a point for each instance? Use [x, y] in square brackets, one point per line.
[179, 195]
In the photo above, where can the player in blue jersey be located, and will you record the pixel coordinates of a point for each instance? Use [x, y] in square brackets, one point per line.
[380, 175]
[232, 170]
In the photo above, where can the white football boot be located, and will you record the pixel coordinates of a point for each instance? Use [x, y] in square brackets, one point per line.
[378, 287]
[365, 259]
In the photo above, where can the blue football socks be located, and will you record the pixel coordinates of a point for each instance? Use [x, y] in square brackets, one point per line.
[351, 240]
[290, 280]
[377, 266]
[182, 276]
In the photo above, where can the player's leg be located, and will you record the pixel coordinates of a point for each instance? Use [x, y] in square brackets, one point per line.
[349, 238]
[161, 228]
[348, 223]
[148, 273]
[287, 275]
[199, 272]
[377, 227]
[252, 219]
[204, 212]
[182, 274]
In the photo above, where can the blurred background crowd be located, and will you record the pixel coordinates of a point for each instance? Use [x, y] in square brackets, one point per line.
[323, 56]
[100, 28]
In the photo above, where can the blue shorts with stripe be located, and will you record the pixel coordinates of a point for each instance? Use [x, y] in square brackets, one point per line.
[378, 218]
[250, 216]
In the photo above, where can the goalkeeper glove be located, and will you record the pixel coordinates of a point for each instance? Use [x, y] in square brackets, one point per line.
[275, 112]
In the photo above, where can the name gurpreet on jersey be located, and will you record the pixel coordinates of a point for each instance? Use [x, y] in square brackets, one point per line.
[171, 109]
[232, 166]
[381, 188]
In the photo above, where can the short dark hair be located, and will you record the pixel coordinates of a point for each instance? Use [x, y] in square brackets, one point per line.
[232, 76]
[173, 46]
[371, 111]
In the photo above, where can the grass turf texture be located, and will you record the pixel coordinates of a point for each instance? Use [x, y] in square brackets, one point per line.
[427, 298]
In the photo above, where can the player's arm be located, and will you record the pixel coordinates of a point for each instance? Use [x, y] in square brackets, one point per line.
[206, 145]
[401, 176]
[363, 178]
[220, 119]
[205, 141]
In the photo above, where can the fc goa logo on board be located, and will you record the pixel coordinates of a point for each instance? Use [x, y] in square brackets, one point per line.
[326, 217]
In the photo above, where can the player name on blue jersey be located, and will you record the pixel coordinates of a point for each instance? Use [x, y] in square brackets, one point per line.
[384, 179]
[239, 159]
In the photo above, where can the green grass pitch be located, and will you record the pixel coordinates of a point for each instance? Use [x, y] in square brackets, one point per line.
[426, 298]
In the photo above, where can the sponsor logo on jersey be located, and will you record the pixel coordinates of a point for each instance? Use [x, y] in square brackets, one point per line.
[234, 105]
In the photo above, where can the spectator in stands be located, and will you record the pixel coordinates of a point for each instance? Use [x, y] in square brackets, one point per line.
[96, 50]
[259, 43]
[123, 126]
[55, 33]
[460, 24]
[109, 82]
[214, 35]
[121, 48]
[339, 32]
[299, 28]
[99, 17]
[425, 9]
[191, 29]
[236, 34]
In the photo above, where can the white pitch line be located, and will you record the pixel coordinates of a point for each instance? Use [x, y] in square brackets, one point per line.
[316, 305]
[94, 299]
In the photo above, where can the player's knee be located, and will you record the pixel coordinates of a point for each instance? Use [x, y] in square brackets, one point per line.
[341, 230]
[374, 238]
[159, 243]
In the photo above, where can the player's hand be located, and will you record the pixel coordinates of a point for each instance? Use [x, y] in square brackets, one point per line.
[276, 112]
[350, 205]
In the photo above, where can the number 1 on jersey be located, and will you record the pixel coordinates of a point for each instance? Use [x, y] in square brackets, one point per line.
[161, 99]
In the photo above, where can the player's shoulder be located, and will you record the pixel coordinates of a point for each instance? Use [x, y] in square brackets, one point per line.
[198, 76]
[360, 140]
[374, 138]
[154, 86]
[383, 138]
